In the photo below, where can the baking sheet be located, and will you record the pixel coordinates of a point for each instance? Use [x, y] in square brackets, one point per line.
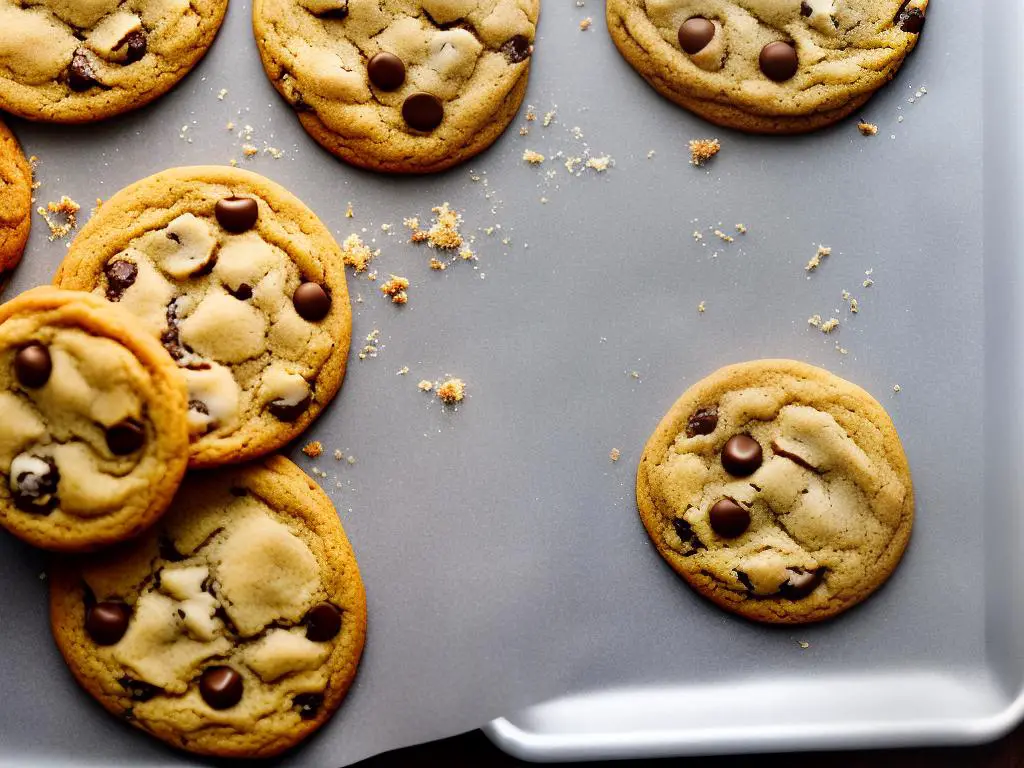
[500, 547]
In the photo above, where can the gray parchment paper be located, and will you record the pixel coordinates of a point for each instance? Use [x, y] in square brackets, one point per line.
[502, 555]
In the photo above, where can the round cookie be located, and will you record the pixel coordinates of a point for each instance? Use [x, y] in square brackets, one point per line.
[15, 200]
[93, 441]
[244, 286]
[402, 86]
[67, 61]
[767, 66]
[778, 490]
[233, 628]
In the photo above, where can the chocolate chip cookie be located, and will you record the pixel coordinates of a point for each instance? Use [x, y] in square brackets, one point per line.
[406, 86]
[93, 441]
[242, 284]
[67, 61]
[778, 490]
[15, 200]
[767, 66]
[234, 627]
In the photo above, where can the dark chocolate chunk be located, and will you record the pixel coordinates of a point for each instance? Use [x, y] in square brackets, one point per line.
[286, 412]
[107, 622]
[728, 519]
[805, 8]
[126, 437]
[221, 687]
[81, 76]
[323, 623]
[910, 20]
[312, 302]
[801, 583]
[703, 421]
[121, 276]
[36, 492]
[423, 112]
[517, 48]
[695, 34]
[687, 535]
[779, 61]
[236, 214]
[308, 704]
[33, 366]
[136, 42]
[243, 292]
[386, 71]
[741, 455]
[139, 690]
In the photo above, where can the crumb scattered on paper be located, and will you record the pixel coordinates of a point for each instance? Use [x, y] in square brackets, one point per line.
[402, 371]
[803, 644]
[722, 236]
[222, 93]
[702, 150]
[313, 449]
[600, 164]
[451, 391]
[396, 288]
[585, 23]
[702, 307]
[897, 388]
[61, 217]
[371, 348]
[533, 158]
[815, 262]
[425, 385]
[614, 454]
[443, 234]
[829, 325]
[741, 228]
[867, 129]
[356, 254]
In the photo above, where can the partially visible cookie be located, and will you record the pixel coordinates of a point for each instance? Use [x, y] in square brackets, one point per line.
[778, 490]
[67, 61]
[233, 628]
[767, 66]
[404, 86]
[93, 441]
[244, 286]
[15, 200]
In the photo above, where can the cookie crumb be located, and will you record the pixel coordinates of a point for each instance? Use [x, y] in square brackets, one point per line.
[741, 228]
[66, 208]
[803, 644]
[438, 264]
[222, 93]
[829, 325]
[396, 289]
[249, 150]
[230, 126]
[313, 449]
[451, 391]
[814, 321]
[722, 236]
[815, 262]
[585, 24]
[600, 164]
[371, 348]
[533, 158]
[466, 254]
[614, 454]
[634, 374]
[867, 129]
[549, 117]
[412, 222]
[650, 155]
[697, 236]
[701, 307]
[702, 150]
[402, 371]
[531, 116]
[338, 455]
[443, 234]
[356, 254]
[425, 385]
[896, 388]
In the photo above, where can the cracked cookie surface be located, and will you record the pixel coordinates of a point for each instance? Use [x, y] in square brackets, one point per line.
[234, 627]
[767, 66]
[93, 442]
[15, 200]
[245, 288]
[69, 61]
[406, 86]
[778, 490]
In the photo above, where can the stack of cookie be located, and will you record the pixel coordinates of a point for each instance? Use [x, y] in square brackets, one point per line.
[200, 320]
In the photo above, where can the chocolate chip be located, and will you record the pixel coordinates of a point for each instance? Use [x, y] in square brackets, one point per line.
[33, 366]
[703, 421]
[728, 519]
[517, 48]
[386, 71]
[687, 535]
[741, 455]
[107, 622]
[288, 412]
[35, 491]
[168, 551]
[309, 704]
[323, 623]
[423, 112]
[243, 292]
[779, 61]
[337, 14]
[236, 214]
[171, 337]
[311, 301]
[801, 583]
[121, 276]
[136, 42]
[81, 76]
[126, 437]
[138, 690]
[805, 9]
[221, 687]
[695, 34]
[910, 20]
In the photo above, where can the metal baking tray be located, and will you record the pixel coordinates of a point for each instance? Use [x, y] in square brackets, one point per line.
[506, 568]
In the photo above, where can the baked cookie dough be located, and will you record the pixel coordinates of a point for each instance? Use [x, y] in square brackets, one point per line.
[93, 441]
[15, 200]
[777, 490]
[404, 86]
[245, 288]
[233, 628]
[767, 66]
[77, 61]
